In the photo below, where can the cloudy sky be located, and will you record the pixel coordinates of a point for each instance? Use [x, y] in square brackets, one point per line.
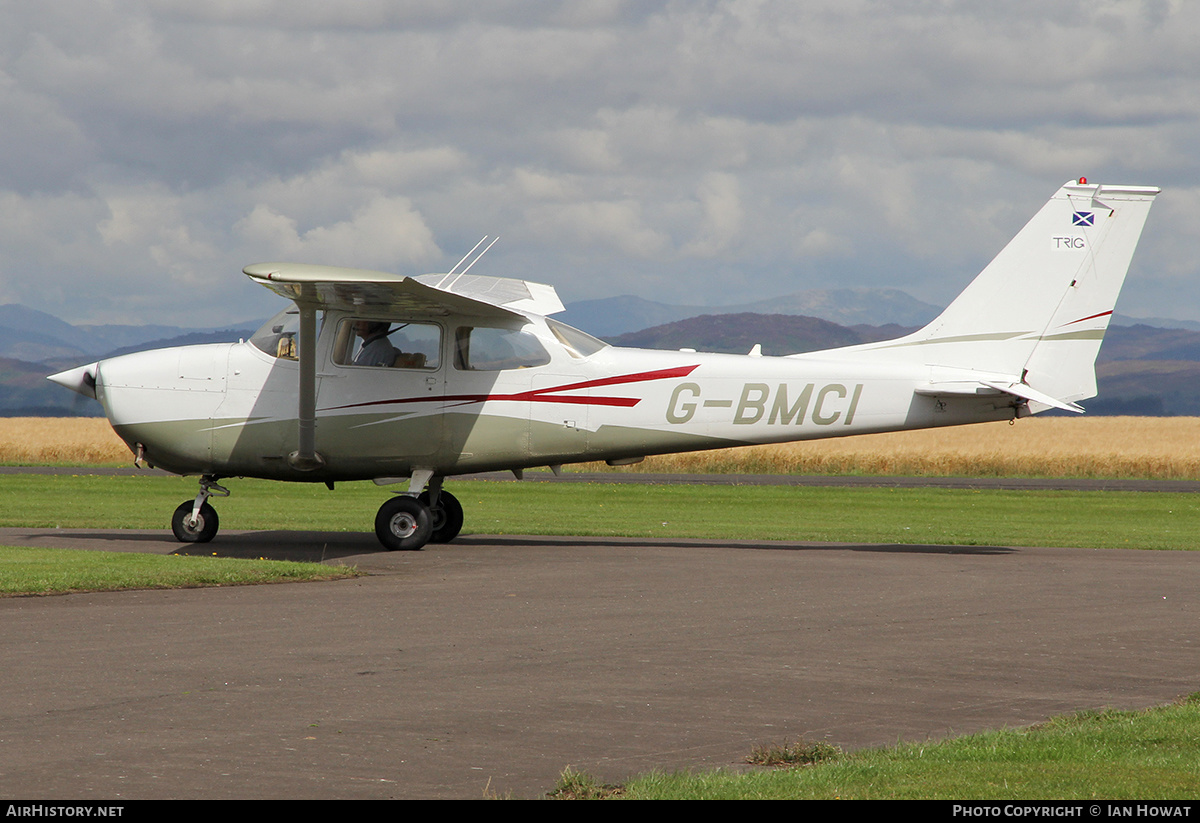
[689, 152]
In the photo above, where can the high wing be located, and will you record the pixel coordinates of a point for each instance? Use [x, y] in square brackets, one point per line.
[432, 295]
[314, 287]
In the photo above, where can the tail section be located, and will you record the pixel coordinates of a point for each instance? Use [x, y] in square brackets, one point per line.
[1032, 322]
[1107, 221]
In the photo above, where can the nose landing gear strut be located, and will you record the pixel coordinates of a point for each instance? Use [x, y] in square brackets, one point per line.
[195, 521]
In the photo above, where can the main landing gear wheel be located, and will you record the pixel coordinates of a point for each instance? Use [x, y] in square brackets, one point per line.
[403, 524]
[202, 530]
[447, 516]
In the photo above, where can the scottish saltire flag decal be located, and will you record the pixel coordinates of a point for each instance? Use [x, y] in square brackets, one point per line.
[1083, 218]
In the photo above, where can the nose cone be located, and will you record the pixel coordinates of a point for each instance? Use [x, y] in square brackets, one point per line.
[82, 379]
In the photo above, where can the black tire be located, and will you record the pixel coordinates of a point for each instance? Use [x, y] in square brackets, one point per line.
[205, 528]
[403, 524]
[447, 517]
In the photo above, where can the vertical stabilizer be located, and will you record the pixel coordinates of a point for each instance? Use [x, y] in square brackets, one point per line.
[1038, 312]
[1106, 222]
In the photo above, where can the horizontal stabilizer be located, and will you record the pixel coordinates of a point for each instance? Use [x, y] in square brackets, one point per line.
[1015, 387]
[975, 386]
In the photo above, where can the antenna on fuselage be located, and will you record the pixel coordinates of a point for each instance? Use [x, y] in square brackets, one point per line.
[455, 273]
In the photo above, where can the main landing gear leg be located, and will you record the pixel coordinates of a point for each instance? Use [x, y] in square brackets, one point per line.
[195, 521]
[413, 518]
[445, 509]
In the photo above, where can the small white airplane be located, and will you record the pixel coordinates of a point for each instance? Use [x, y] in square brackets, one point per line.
[374, 376]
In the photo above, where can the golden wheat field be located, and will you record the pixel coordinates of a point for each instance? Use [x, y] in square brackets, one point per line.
[68, 441]
[1158, 447]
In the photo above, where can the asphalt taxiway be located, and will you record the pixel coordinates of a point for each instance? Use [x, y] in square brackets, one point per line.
[487, 666]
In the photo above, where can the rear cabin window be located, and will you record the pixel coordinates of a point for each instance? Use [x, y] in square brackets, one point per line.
[387, 344]
[489, 349]
[577, 343]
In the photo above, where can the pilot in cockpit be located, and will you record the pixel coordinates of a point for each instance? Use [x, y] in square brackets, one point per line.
[376, 349]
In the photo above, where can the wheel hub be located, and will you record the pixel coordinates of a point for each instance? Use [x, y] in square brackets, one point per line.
[403, 525]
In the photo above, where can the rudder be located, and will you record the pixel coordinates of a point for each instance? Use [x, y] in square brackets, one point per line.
[1032, 321]
[1107, 221]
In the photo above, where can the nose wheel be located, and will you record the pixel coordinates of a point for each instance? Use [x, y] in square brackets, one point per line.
[195, 521]
[199, 529]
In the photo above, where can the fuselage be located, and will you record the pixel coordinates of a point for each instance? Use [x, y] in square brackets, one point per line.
[560, 397]
[375, 376]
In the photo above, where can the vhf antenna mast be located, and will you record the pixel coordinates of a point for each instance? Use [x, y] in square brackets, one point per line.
[455, 273]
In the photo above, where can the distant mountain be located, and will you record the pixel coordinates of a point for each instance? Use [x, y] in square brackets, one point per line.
[778, 334]
[34, 336]
[189, 339]
[25, 392]
[1142, 342]
[1147, 388]
[1157, 322]
[1142, 369]
[850, 307]
[34, 344]
[29, 334]
[619, 315]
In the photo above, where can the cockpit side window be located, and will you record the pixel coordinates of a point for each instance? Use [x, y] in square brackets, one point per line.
[396, 344]
[490, 349]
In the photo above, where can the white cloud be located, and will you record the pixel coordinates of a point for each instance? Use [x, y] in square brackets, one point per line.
[615, 145]
[386, 233]
[621, 225]
[721, 226]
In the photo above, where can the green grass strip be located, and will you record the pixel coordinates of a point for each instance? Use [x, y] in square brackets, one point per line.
[1087, 519]
[1149, 755]
[25, 570]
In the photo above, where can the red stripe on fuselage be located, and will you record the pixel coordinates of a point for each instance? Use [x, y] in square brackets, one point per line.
[547, 395]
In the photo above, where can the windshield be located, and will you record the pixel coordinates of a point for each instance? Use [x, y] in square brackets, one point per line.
[277, 337]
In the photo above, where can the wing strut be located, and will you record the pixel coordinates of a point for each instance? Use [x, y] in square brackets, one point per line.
[305, 458]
